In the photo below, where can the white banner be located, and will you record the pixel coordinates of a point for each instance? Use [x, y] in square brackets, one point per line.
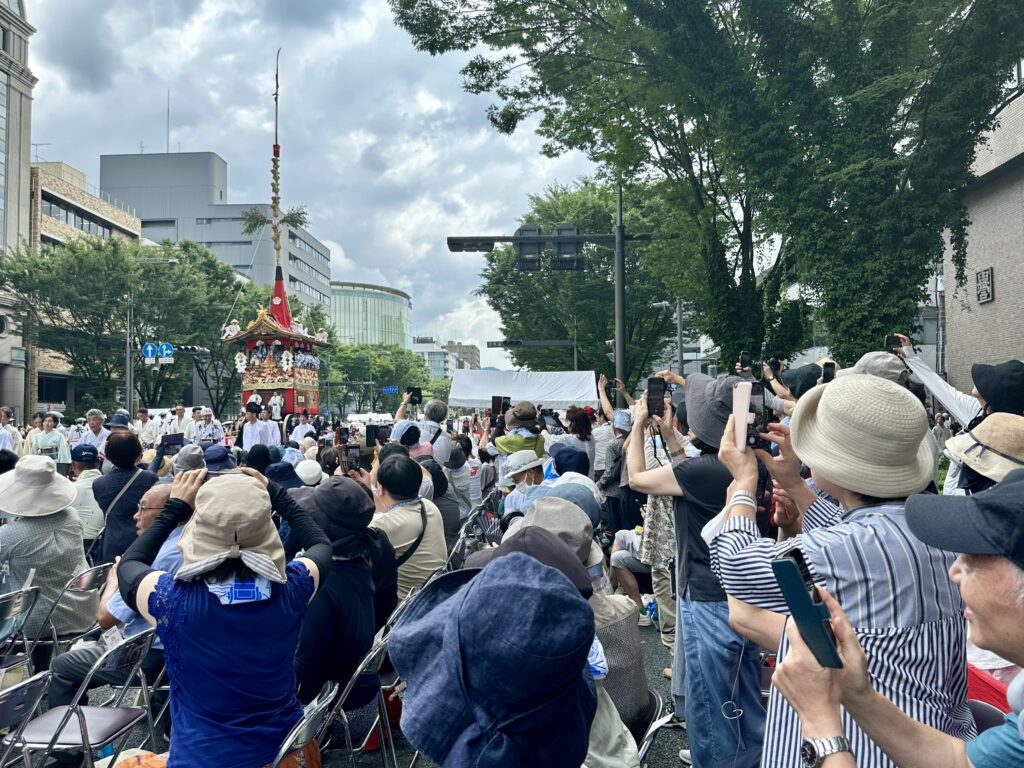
[550, 389]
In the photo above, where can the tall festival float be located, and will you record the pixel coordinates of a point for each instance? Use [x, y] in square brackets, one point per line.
[276, 353]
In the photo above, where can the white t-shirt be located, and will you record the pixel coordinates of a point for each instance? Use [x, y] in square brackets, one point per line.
[601, 435]
[586, 446]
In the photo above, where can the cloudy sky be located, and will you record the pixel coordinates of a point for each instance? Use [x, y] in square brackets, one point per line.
[378, 140]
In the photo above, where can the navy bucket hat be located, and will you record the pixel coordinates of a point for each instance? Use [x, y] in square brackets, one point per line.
[493, 682]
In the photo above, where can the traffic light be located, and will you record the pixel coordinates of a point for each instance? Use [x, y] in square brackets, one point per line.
[567, 254]
[528, 254]
[193, 349]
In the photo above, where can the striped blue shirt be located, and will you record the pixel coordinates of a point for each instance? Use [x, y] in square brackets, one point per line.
[896, 591]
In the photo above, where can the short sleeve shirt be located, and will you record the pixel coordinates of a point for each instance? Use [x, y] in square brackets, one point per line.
[231, 668]
[998, 747]
[704, 482]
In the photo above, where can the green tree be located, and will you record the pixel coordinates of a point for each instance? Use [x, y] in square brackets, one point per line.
[361, 371]
[82, 314]
[552, 304]
[841, 132]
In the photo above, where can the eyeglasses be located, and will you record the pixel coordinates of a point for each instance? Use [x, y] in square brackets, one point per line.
[143, 508]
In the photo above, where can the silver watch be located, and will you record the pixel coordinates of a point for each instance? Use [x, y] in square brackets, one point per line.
[814, 751]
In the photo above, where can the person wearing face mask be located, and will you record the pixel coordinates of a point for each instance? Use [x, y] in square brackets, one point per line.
[413, 524]
[525, 471]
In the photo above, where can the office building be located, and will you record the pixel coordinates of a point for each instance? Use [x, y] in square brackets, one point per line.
[985, 318]
[16, 84]
[469, 354]
[65, 207]
[184, 196]
[371, 314]
[441, 362]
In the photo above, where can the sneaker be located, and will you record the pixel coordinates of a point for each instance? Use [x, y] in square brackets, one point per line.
[645, 620]
[676, 722]
[684, 756]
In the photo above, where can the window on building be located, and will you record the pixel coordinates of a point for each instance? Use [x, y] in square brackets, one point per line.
[66, 213]
[213, 243]
[159, 222]
[217, 219]
[299, 244]
[53, 389]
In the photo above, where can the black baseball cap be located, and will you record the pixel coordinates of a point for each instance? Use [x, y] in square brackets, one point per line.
[986, 523]
[1001, 385]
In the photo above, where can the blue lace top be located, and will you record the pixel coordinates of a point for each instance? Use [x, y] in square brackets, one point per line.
[231, 670]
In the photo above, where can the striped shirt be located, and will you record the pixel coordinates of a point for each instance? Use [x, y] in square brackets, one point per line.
[896, 591]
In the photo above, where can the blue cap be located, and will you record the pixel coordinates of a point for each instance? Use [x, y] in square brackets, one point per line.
[218, 458]
[85, 454]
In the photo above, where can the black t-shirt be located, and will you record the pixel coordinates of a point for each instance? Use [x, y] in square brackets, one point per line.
[704, 482]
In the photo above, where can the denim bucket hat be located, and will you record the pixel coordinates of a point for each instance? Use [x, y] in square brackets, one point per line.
[494, 682]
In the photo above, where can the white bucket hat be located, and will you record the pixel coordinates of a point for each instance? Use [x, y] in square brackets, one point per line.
[865, 434]
[34, 489]
[520, 461]
[310, 472]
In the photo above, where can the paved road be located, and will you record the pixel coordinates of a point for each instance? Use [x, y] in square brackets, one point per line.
[665, 753]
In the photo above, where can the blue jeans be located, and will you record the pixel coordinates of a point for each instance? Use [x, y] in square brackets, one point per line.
[723, 680]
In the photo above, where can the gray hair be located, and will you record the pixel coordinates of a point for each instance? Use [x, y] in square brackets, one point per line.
[435, 410]
[95, 412]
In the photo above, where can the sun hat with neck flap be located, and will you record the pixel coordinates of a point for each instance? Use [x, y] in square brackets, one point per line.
[34, 489]
[232, 521]
[994, 448]
[865, 434]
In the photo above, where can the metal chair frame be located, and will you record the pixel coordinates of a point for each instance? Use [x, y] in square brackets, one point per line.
[306, 729]
[13, 615]
[985, 715]
[128, 654]
[658, 720]
[370, 664]
[90, 580]
[17, 705]
[98, 539]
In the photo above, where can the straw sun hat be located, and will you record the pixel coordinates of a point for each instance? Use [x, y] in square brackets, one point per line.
[994, 448]
[865, 434]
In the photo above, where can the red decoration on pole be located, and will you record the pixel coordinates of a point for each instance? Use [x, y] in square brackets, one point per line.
[279, 309]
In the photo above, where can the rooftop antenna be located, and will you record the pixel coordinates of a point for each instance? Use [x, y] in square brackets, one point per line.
[142, 147]
[36, 145]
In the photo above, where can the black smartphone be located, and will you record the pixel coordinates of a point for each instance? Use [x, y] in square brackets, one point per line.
[496, 406]
[806, 608]
[828, 372]
[614, 383]
[547, 411]
[372, 431]
[892, 341]
[417, 395]
[506, 403]
[344, 435]
[656, 396]
[745, 361]
[449, 425]
[760, 424]
[775, 364]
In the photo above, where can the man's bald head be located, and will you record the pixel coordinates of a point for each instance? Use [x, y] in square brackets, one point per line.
[151, 505]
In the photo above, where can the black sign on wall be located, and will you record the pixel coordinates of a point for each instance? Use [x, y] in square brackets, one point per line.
[984, 285]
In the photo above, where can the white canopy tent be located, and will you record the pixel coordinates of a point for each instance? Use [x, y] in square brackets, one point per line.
[552, 389]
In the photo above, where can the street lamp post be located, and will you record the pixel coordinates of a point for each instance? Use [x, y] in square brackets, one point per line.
[666, 306]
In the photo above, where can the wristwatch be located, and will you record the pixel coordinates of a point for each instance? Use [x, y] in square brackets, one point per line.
[814, 751]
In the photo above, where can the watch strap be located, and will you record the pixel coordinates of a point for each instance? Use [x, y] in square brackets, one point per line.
[828, 746]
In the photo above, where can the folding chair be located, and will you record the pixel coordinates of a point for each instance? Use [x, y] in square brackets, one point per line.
[370, 665]
[306, 729]
[97, 726]
[985, 715]
[656, 720]
[90, 580]
[15, 608]
[17, 704]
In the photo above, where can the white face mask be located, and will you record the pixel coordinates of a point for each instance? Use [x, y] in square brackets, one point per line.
[522, 486]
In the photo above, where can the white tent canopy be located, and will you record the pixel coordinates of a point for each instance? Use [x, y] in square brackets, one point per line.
[552, 389]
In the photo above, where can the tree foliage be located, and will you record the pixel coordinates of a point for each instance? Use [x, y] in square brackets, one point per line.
[359, 372]
[254, 219]
[828, 140]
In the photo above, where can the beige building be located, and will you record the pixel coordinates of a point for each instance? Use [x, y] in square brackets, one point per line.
[985, 318]
[16, 84]
[64, 207]
[469, 354]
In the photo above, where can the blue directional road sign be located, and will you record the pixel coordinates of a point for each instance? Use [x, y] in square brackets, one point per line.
[166, 353]
[149, 353]
[390, 389]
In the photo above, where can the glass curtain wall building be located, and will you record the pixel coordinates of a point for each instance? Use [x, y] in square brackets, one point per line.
[371, 314]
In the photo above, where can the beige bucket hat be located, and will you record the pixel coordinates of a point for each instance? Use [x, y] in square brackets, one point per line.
[994, 448]
[34, 489]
